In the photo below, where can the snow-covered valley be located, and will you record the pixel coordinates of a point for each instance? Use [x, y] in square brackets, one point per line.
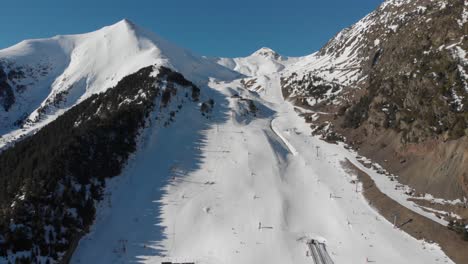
[242, 189]
[118, 146]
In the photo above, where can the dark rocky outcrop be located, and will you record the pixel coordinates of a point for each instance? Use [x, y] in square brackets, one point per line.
[7, 97]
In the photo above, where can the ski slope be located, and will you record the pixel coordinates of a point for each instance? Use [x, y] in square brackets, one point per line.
[239, 188]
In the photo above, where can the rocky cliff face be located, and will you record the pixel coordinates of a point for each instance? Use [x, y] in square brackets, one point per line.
[402, 71]
[416, 81]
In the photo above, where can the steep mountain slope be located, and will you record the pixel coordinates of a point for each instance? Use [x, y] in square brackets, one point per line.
[51, 180]
[399, 77]
[42, 78]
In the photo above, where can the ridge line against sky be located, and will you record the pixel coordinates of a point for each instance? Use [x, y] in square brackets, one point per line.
[207, 27]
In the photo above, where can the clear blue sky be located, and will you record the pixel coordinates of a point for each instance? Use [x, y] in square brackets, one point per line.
[208, 27]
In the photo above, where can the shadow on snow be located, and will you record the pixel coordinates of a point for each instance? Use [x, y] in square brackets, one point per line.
[127, 227]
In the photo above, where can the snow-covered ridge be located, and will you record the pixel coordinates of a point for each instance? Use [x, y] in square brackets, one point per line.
[59, 72]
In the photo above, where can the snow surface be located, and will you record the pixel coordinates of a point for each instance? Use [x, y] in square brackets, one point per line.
[241, 192]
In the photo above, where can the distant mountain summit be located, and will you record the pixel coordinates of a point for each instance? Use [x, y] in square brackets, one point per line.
[262, 62]
[267, 52]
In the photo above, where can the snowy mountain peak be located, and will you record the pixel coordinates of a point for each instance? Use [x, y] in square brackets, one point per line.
[266, 52]
[262, 62]
[124, 24]
[127, 22]
[48, 76]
